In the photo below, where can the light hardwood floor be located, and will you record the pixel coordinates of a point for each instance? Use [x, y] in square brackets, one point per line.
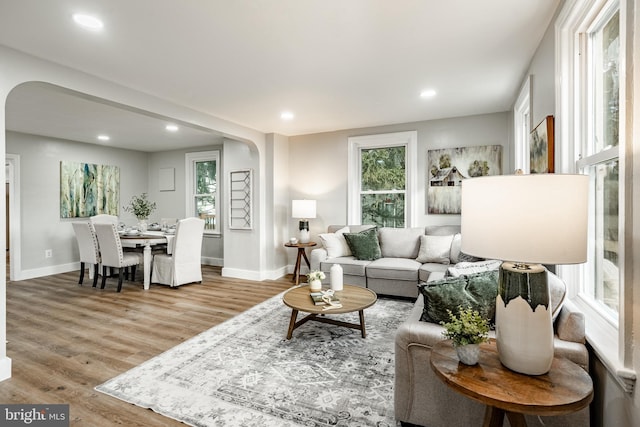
[64, 339]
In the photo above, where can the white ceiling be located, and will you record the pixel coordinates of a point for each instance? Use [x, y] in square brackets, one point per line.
[334, 64]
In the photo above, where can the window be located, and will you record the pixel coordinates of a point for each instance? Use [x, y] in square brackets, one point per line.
[382, 186]
[600, 161]
[203, 193]
[591, 46]
[381, 179]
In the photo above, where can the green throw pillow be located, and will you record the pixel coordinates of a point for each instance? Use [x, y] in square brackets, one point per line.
[364, 245]
[477, 291]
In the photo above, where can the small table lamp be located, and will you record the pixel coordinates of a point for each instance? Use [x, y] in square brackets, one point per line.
[525, 221]
[303, 209]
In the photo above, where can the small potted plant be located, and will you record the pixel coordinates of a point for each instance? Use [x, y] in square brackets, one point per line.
[314, 278]
[141, 207]
[467, 330]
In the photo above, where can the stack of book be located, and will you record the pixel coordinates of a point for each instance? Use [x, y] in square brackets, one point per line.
[324, 298]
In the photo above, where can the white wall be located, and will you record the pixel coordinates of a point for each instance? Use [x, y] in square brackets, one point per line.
[318, 163]
[41, 225]
[172, 204]
[278, 202]
[542, 72]
[18, 68]
[243, 258]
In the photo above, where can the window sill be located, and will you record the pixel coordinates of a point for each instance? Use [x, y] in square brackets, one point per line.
[604, 339]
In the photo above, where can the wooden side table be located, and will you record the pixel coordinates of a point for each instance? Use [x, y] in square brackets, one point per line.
[566, 388]
[301, 254]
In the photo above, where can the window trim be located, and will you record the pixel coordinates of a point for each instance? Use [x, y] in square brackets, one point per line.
[612, 345]
[409, 139]
[522, 127]
[190, 160]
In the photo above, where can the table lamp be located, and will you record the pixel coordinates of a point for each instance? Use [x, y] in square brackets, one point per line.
[525, 221]
[303, 210]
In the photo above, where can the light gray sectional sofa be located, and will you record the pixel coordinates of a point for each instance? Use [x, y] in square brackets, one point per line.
[397, 272]
[406, 260]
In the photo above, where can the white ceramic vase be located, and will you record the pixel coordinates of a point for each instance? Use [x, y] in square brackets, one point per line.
[468, 354]
[142, 225]
[315, 285]
[336, 277]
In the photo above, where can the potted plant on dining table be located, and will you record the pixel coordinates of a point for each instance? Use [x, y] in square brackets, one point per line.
[141, 207]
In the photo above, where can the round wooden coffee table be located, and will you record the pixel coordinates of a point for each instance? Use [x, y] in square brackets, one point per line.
[353, 298]
[566, 388]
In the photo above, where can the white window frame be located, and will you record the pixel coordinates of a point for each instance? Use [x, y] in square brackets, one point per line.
[190, 170]
[409, 140]
[522, 127]
[611, 340]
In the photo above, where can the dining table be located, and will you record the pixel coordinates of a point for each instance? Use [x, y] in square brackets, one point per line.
[146, 240]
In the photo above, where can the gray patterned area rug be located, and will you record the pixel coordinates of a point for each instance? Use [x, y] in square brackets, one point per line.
[244, 372]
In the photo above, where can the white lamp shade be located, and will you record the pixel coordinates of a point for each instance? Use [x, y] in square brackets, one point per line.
[538, 218]
[303, 209]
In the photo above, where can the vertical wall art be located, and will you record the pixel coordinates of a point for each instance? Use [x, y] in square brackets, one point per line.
[241, 200]
[448, 167]
[87, 189]
[166, 179]
[541, 158]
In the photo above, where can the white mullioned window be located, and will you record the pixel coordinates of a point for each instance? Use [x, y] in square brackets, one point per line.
[590, 54]
[382, 179]
[203, 189]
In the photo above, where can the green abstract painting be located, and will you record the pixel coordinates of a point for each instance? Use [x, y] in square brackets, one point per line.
[87, 189]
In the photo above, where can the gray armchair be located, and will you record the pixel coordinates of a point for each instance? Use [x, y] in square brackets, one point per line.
[421, 398]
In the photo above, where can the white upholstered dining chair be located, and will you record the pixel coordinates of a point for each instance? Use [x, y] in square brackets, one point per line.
[111, 254]
[88, 248]
[183, 265]
[104, 219]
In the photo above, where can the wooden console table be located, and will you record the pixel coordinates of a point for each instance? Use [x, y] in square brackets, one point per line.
[566, 388]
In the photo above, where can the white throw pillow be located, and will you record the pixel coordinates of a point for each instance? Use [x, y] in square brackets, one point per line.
[435, 249]
[463, 268]
[335, 243]
[456, 248]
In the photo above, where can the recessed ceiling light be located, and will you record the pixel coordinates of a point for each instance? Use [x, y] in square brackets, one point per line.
[171, 128]
[429, 93]
[287, 115]
[87, 21]
[104, 137]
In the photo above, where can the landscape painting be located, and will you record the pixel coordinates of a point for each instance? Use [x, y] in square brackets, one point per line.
[448, 167]
[88, 189]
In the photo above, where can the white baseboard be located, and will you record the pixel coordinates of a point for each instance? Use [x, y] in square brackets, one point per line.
[276, 274]
[46, 271]
[237, 273]
[258, 276]
[5, 368]
[216, 262]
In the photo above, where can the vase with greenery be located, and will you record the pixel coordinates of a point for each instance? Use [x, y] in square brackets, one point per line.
[141, 207]
[467, 331]
[314, 278]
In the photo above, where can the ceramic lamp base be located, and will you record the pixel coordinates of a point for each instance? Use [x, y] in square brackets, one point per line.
[303, 235]
[524, 330]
